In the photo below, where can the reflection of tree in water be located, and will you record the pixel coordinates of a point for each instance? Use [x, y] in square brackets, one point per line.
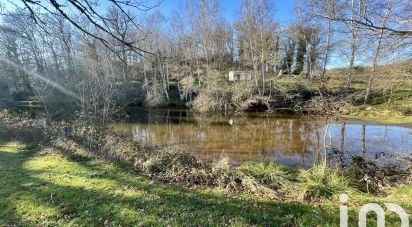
[342, 144]
[363, 140]
[284, 138]
[246, 139]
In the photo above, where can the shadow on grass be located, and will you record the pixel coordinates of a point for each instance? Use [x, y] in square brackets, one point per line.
[49, 189]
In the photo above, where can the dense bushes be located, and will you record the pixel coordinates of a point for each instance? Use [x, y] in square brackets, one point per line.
[218, 95]
[214, 95]
[21, 128]
[155, 97]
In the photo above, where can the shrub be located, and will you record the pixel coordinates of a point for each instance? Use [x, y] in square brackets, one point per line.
[187, 87]
[155, 97]
[219, 95]
[214, 96]
[331, 106]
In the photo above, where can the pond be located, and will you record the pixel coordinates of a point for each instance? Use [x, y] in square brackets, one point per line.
[288, 139]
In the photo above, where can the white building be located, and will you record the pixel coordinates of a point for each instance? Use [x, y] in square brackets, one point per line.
[239, 75]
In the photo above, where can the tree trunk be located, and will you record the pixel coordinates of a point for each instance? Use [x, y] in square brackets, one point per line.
[262, 59]
[326, 54]
[377, 52]
[255, 67]
[353, 47]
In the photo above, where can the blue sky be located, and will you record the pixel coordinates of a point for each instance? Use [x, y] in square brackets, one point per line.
[230, 9]
[283, 12]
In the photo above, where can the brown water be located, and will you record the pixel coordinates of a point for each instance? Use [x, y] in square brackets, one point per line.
[288, 139]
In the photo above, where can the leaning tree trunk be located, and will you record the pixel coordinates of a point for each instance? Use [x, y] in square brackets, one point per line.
[163, 72]
[353, 45]
[377, 52]
[351, 61]
[326, 54]
[262, 59]
[255, 67]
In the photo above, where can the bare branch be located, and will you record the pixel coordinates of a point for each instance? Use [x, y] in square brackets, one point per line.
[99, 21]
[369, 25]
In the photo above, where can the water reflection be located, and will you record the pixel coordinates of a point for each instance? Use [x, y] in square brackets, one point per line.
[291, 140]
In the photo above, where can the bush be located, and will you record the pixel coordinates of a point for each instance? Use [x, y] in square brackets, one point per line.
[326, 106]
[155, 97]
[187, 88]
[214, 96]
[359, 69]
[218, 95]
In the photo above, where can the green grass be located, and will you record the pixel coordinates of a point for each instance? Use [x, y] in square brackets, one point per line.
[387, 108]
[48, 189]
[377, 113]
[41, 188]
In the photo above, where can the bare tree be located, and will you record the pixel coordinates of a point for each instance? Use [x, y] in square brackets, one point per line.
[376, 56]
[88, 10]
[330, 10]
[257, 38]
[121, 24]
[356, 12]
[10, 49]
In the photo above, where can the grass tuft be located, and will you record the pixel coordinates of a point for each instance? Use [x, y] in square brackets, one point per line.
[322, 182]
[269, 173]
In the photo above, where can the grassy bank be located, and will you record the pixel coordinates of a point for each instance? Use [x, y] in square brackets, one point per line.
[384, 108]
[378, 113]
[389, 103]
[43, 187]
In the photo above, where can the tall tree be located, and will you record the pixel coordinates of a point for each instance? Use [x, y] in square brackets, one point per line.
[356, 12]
[375, 61]
[256, 37]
